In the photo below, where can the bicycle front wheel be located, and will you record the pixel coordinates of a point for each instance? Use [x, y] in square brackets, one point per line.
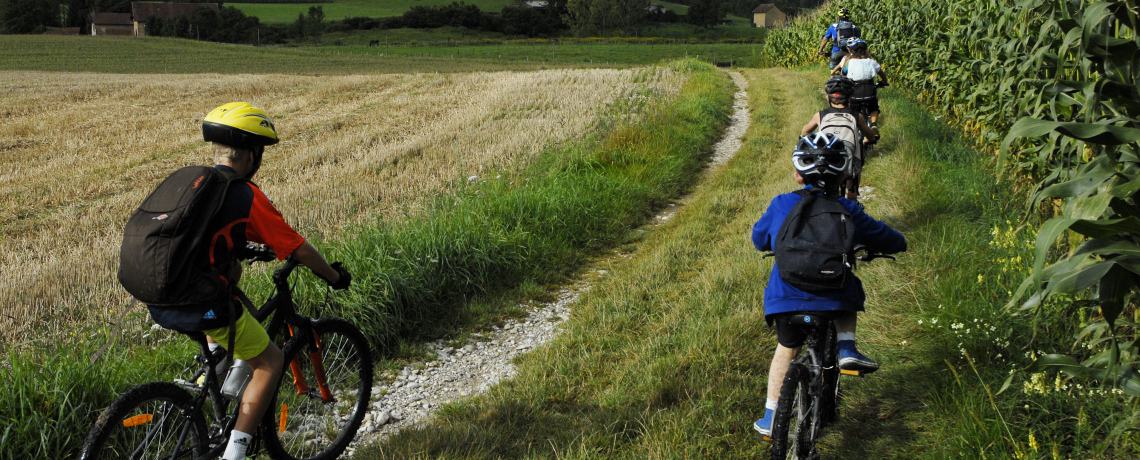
[150, 421]
[792, 427]
[313, 421]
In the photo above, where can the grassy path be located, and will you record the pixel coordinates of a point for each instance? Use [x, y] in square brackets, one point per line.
[666, 356]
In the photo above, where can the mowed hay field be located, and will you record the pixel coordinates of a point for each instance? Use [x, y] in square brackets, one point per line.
[80, 151]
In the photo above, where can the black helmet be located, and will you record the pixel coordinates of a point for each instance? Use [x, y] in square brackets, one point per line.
[839, 87]
[821, 159]
[844, 14]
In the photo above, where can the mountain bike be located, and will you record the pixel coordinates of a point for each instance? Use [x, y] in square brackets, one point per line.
[320, 401]
[810, 397]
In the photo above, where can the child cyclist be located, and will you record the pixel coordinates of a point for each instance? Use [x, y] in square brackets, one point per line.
[862, 70]
[820, 163]
[840, 120]
[240, 132]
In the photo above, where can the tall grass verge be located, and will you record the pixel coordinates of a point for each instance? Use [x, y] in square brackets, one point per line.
[667, 356]
[413, 280]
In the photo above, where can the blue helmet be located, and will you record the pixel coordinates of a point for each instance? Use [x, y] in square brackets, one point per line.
[856, 43]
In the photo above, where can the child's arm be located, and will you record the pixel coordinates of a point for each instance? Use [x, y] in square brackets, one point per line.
[839, 69]
[811, 125]
[865, 128]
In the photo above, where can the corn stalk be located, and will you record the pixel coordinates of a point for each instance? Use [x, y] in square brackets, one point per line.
[1052, 87]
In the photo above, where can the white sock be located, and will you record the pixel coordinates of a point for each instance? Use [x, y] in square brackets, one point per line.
[239, 444]
[845, 336]
[771, 404]
[213, 346]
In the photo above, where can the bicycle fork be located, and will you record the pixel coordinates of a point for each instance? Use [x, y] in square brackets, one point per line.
[318, 369]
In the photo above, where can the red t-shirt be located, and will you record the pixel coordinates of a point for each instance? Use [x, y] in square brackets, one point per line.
[249, 216]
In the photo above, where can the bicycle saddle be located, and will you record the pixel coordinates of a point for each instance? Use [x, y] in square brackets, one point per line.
[810, 321]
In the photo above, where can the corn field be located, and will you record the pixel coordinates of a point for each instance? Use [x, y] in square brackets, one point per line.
[1052, 88]
[80, 151]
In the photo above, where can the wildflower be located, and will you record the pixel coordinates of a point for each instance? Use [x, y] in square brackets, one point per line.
[980, 278]
[920, 322]
[903, 343]
[1032, 441]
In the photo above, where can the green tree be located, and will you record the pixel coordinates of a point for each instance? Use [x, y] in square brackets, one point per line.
[606, 18]
[154, 26]
[28, 16]
[705, 13]
[315, 22]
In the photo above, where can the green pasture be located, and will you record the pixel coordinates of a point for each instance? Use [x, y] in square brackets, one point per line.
[283, 13]
[172, 55]
[664, 32]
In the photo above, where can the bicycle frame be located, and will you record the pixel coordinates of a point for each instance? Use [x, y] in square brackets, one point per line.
[300, 327]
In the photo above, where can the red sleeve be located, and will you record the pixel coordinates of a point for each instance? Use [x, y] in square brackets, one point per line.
[267, 226]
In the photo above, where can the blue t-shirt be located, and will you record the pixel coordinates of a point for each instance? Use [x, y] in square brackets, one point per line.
[833, 35]
[781, 297]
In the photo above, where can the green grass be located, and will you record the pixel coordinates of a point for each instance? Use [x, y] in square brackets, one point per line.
[171, 55]
[283, 13]
[435, 275]
[658, 33]
[667, 356]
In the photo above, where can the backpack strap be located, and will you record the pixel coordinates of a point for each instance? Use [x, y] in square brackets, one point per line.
[233, 333]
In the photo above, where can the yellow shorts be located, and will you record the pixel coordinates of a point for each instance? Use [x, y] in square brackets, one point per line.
[251, 338]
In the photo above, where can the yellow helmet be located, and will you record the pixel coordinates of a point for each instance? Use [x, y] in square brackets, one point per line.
[239, 124]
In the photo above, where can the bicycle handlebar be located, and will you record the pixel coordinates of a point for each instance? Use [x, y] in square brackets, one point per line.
[863, 255]
[255, 253]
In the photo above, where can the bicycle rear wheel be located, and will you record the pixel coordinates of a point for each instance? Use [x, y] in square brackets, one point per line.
[300, 423]
[831, 394]
[150, 421]
[792, 427]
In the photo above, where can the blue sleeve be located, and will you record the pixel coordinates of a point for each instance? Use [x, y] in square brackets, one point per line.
[761, 237]
[858, 33]
[830, 32]
[765, 230]
[876, 235]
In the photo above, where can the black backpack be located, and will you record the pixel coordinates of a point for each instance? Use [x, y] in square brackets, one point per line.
[164, 259]
[843, 31]
[816, 244]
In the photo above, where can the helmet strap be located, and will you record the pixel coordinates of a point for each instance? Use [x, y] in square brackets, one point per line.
[255, 155]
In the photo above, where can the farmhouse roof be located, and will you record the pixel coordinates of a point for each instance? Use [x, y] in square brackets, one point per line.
[111, 19]
[765, 7]
[141, 11]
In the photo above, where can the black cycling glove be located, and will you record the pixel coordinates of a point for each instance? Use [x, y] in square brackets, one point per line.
[345, 277]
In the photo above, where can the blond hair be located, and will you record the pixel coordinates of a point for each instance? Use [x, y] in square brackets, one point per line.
[229, 155]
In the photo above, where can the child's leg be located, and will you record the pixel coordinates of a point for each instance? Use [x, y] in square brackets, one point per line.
[845, 322]
[849, 356]
[780, 362]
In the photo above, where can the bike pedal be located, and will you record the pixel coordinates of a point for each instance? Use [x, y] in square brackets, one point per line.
[766, 438]
[851, 372]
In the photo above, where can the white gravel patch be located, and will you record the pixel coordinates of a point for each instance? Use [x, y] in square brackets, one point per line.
[419, 389]
[741, 120]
